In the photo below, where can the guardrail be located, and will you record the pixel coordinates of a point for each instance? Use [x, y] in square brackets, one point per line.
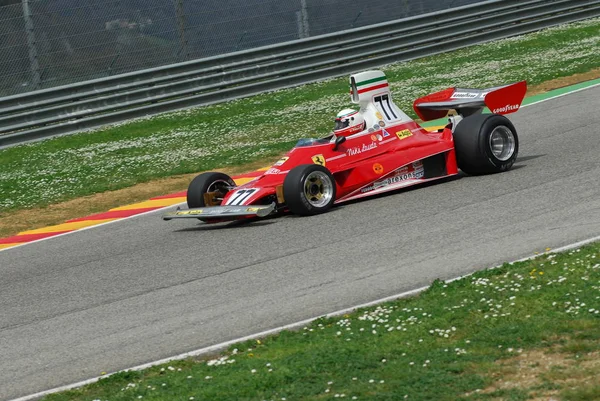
[211, 80]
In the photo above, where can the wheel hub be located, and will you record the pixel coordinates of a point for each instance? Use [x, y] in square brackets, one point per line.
[502, 143]
[318, 189]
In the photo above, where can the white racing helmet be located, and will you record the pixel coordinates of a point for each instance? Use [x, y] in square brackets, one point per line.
[348, 122]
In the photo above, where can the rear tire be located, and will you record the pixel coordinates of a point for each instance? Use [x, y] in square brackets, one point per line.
[207, 182]
[485, 144]
[309, 189]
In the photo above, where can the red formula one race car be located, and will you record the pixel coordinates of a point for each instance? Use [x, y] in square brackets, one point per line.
[373, 150]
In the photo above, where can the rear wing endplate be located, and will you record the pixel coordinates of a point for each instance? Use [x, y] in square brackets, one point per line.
[500, 100]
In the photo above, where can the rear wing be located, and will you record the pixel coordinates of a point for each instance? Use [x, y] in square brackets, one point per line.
[500, 100]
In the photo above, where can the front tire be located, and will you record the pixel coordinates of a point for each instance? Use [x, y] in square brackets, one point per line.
[217, 183]
[485, 144]
[309, 189]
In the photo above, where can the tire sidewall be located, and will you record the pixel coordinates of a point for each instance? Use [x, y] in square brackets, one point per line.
[200, 185]
[472, 135]
[485, 133]
[293, 189]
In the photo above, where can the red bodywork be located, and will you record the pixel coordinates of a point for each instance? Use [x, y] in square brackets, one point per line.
[392, 152]
[365, 164]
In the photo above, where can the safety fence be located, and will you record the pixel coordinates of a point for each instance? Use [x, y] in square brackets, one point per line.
[48, 43]
[215, 79]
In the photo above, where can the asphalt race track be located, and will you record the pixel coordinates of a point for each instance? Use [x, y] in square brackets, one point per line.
[123, 294]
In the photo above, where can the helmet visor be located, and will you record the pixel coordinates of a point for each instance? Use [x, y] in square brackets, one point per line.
[341, 124]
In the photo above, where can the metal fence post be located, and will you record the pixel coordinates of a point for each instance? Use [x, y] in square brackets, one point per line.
[33, 54]
[304, 19]
[181, 28]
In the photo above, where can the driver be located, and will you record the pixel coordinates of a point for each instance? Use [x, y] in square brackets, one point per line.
[348, 122]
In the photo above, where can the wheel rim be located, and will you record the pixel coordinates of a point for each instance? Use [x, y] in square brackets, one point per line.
[502, 143]
[318, 189]
[218, 189]
[218, 186]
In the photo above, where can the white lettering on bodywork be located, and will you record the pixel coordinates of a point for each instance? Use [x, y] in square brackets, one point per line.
[507, 108]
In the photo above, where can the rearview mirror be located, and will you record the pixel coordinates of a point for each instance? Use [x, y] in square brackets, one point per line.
[338, 141]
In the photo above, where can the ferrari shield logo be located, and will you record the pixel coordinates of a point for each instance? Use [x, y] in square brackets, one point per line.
[319, 159]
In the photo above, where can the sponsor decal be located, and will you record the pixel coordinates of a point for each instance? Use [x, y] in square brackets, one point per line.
[379, 137]
[465, 95]
[385, 133]
[379, 116]
[411, 172]
[381, 123]
[319, 159]
[405, 133]
[373, 137]
[371, 130]
[358, 149]
[253, 209]
[189, 212]
[273, 170]
[281, 161]
[378, 168]
[507, 108]
[376, 126]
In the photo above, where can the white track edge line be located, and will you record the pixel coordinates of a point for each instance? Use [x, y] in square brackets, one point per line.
[561, 95]
[223, 345]
[181, 203]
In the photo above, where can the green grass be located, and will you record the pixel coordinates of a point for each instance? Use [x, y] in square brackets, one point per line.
[454, 341]
[264, 126]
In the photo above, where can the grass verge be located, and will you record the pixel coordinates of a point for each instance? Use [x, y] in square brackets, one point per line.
[529, 330]
[261, 127]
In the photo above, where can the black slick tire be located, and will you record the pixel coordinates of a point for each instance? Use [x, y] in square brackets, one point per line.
[485, 144]
[309, 189]
[207, 182]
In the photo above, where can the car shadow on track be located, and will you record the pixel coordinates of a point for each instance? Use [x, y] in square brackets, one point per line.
[231, 224]
[525, 158]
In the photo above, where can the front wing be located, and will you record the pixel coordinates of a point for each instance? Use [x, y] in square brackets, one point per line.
[221, 213]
